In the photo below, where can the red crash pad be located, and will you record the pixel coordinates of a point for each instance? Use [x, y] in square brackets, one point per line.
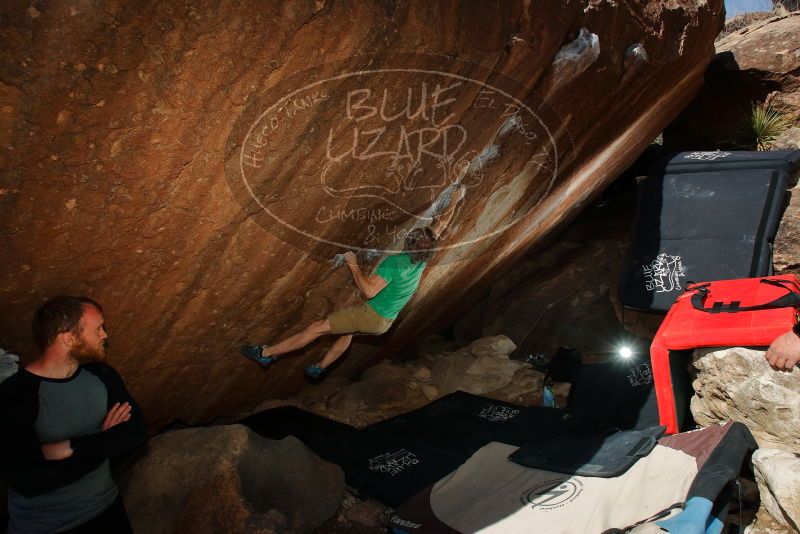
[749, 312]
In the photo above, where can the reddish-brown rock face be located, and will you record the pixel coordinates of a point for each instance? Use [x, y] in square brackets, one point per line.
[759, 63]
[195, 166]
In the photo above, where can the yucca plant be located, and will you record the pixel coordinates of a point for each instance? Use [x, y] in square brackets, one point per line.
[761, 127]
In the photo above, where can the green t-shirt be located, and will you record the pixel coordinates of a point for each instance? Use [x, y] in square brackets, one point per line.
[402, 279]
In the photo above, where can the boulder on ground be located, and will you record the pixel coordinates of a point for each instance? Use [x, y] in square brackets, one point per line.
[229, 479]
[492, 346]
[738, 384]
[481, 367]
[384, 369]
[375, 394]
[778, 477]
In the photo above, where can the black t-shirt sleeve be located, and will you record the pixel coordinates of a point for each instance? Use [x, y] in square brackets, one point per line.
[21, 461]
[121, 438]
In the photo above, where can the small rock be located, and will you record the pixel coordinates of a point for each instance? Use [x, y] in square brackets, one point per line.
[763, 523]
[492, 346]
[423, 373]
[368, 514]
[430, 392]
[384, 369]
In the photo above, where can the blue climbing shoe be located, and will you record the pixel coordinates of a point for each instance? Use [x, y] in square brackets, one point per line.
[253, 352]
[315, 372]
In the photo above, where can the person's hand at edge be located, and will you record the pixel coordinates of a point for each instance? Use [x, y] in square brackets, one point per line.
[784, 353]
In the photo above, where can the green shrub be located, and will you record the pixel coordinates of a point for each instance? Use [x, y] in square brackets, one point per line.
[761, 127]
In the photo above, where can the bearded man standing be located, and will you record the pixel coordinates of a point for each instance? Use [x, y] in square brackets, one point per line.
[63, 416]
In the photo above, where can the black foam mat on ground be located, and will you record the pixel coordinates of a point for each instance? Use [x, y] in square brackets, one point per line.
[698, 227]
[618, 394]
[388, 468]
[310, 428]
[533, 423]
[461, 423]
[392, 460]
[703, 161]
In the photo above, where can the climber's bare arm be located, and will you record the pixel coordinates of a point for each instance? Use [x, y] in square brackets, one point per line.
[441, 222]
[370, 285]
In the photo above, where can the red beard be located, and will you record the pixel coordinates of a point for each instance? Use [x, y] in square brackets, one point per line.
[83, 353]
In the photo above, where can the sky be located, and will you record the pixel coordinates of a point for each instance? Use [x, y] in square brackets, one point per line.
[734, 7]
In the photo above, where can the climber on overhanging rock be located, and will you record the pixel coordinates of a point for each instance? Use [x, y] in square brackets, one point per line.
[387, 291]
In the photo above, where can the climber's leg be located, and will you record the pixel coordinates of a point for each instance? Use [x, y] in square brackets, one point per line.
[298, 340]
[318, 371]
[336, 350]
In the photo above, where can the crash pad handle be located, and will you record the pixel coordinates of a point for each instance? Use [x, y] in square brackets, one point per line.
[789, 300]
[643, 447]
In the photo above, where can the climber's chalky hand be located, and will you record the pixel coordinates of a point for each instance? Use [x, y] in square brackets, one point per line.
[350, 259]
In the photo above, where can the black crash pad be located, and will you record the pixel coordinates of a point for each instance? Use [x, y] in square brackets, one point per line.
[388, 468]
[392, 460]
[608, 454]
[720, 160]
[461, 423]
[617, 394]
[698, 227]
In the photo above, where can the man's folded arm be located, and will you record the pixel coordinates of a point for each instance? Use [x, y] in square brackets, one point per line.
[21, 461]
[120, 438]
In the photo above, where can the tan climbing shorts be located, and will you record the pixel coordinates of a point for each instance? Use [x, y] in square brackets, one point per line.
[360, 319]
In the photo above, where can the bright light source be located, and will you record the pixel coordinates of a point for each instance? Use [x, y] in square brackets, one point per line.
[625, 352]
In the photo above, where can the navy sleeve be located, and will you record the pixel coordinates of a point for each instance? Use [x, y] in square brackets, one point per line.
[21, 461]
[121, 438]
